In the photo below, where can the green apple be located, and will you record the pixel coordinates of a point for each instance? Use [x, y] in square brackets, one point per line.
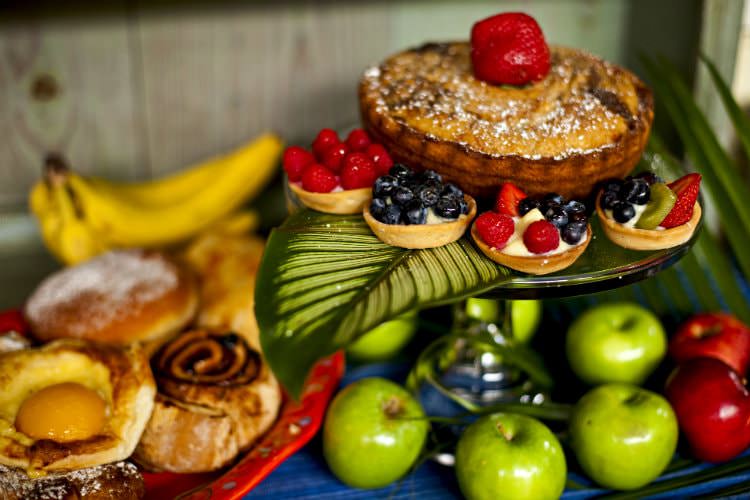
[622, 435]
[510, 456]
[386, 340]
[373, 433]
[615, 342]
[525, 315]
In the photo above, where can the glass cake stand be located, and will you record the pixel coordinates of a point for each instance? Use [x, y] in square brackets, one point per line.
[467, 367]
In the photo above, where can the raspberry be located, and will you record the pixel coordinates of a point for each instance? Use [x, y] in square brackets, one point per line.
[334, 156]
[318, 179]
[541, 237]
[495, 229]
[325, 139]
[509, 49]
[295, 160]
[380, 156]
[358, 172]
[358, 140]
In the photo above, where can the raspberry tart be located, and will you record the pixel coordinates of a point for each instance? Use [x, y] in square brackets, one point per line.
[530, 234]
[559, 121]
[412, 210]
[644, 213]
[336, 176]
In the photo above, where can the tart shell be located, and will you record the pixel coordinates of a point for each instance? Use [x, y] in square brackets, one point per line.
[542, 264]
[347, 202]
[648, 239]
[421, 236]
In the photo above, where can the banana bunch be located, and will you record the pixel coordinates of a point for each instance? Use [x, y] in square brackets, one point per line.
[81, 216]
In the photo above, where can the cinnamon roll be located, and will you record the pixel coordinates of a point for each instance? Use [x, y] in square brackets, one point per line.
[216, 396]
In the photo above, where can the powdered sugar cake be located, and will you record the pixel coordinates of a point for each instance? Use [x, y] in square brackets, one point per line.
[586, 121]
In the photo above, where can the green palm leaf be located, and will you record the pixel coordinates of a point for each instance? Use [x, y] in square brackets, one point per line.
[326, 279]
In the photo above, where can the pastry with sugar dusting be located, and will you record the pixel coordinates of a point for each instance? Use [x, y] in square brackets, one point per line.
[119, 297]
[587, 120]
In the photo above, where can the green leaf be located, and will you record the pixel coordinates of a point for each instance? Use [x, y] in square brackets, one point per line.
[326, 279]
[720, 176]
[738, 117]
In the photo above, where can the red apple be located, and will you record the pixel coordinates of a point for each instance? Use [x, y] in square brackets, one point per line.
[712, 406]
[713, 335]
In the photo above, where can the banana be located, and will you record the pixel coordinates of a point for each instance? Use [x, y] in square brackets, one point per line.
[65, 233]
[183, 185]
[128, 223]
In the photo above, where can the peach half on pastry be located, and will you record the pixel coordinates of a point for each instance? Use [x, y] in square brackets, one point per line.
[72, 404]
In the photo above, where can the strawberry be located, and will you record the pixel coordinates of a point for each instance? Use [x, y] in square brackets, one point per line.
[358, 172]
[541, 237]
[495, 229]
[508, 198]
[295, 160]
[686, 188]
[358, 140]
[318, 179]
[509, 49]
[380, 156]
[334, 156]
[324, 140]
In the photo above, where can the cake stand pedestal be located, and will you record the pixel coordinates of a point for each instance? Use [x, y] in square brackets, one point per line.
[467, 369]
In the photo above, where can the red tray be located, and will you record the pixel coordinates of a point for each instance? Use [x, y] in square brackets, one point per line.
[297, 424]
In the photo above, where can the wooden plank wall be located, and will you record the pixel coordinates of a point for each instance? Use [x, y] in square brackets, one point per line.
[132, 91]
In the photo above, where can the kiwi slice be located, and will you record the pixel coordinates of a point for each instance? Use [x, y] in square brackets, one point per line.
[661, 203]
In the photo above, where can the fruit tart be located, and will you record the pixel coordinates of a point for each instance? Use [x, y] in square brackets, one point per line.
[531, 234]
[644, 213]
[412, 210]
[336, 176]
[508, 108]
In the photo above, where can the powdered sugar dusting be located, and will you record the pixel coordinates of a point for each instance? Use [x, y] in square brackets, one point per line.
[582, 106]
[105, 480]
[108, 285]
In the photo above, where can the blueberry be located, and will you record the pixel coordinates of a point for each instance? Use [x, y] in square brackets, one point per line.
[377, 207]
[414, 213]
[578, 217]
[623, 212]
[384, 186]
[527, 205]
[463, 206]
[554, 198]
[452, 190]
[635, 191]
[609, 199]
[448, 207]
[428, 195]
[557, 216]
[574, 207]
[573, 232]
[431, 175]
[401, 172]
[613, 185]
[392, 215]
[402, 195]
[649, 177]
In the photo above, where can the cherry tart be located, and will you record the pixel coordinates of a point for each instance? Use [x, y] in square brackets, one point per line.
[412, 210]
[533, 235]
[645, 213]
[336, 176]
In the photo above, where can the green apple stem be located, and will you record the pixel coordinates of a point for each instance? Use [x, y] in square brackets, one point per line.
[393, 407]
